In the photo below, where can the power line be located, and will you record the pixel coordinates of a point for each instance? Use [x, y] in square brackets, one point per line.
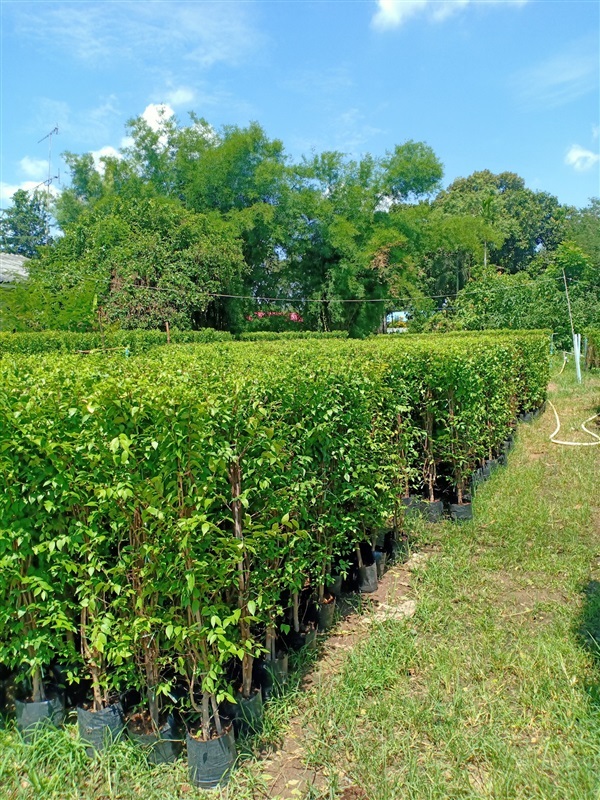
[340, 300]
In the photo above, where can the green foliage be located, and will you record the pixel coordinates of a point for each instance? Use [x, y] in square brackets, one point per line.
[264, 336]
[25, 225]
[524, 220]
[147, 261]
[198, 227]
[411, 171]
[521, 301]
[593, 351]
[584, 230]
[137, 341]
[166, 505]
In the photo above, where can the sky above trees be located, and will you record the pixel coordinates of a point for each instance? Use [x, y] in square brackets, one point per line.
[508, 85]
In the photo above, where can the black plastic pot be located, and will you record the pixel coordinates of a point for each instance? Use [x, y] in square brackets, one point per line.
[99, 729]
[380, 538]
[210, 763]
[247, 713]
[526, 416]
[413, 506]
[380, 562]
[432, 511]
[461, 511]
[367, 579]
[275, 676]
[32, 715]
[335, 586]
[539, 410]
[310, 639]
[486, 471]
[477, 478]
[326, 613]
[162, 747]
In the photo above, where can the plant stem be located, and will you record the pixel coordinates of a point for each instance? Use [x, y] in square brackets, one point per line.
[216, 715]
[205, 716]
[38, 694]
[296, 612]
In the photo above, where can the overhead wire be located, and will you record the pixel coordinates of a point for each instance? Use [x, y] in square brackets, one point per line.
[407, 298]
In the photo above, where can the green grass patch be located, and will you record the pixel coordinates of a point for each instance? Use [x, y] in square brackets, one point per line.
[491, 689]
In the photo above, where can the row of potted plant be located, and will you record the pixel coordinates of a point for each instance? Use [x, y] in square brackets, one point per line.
[193, 690]
[163, 514]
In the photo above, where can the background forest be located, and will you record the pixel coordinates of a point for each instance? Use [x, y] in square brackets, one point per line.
[204, 228]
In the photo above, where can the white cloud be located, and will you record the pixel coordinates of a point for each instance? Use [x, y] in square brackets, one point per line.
[156, 114]
[167, 30]
[394, 13]
[595, 131]
[108, 151]
[564, 77]
[36, 168]
[581, 159]
[181, 96]
[8, 189]
[353, 131]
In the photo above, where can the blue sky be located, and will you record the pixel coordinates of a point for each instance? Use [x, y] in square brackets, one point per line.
[502, 84]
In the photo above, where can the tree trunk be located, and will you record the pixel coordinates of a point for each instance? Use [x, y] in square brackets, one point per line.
[235, 480]
[296, 610]
[96, 688]
[152, 679]
[359, 557]
[205, 716]
[216, 715]
[38, 694]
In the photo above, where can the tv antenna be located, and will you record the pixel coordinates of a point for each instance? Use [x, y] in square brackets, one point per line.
[48, 182]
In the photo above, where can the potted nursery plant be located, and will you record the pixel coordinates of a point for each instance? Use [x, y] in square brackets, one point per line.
[36, 625]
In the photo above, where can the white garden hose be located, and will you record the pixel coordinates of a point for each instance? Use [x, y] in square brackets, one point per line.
[565, 359]
[583, 424]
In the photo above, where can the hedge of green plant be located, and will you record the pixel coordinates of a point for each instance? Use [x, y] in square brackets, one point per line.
[161, 513]
[593, 348]
[273, 336]
[136, 341]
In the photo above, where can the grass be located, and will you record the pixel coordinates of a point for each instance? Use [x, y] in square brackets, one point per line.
[492, 689]
[54, 766]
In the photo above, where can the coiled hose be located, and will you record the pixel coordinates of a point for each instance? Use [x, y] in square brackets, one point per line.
[583, 424]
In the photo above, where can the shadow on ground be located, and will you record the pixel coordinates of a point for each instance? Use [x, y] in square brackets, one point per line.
[588, 633]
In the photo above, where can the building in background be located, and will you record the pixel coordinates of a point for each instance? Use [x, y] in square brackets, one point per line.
[12, 268]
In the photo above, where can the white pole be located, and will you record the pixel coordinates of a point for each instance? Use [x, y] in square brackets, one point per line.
[576, 336]
[577, 350]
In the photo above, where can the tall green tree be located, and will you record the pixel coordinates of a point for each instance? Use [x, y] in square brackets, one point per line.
[526, 221]
[25, 225]
[143, 262]
[411, 172]
[584, 230]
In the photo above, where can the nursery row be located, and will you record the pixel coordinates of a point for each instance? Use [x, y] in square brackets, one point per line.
[137, 341]
[167, 517]
[593, 348]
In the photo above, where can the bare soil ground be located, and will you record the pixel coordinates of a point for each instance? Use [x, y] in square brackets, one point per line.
[285, 772]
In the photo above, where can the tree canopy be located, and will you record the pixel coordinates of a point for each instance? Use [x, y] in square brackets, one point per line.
[196, 226]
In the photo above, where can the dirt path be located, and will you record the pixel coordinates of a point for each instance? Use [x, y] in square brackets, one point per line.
[285, 772]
